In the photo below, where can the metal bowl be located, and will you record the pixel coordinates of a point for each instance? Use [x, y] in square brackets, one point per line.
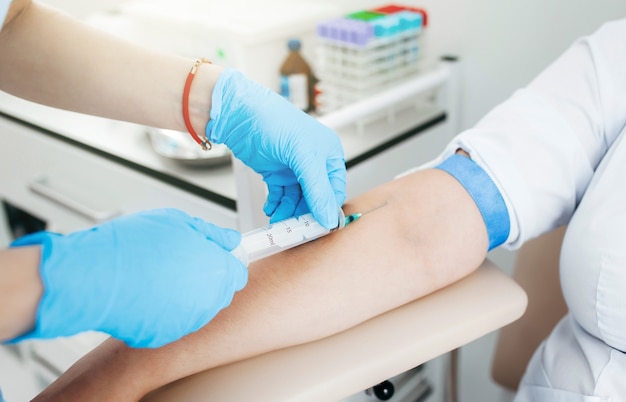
[180, 147]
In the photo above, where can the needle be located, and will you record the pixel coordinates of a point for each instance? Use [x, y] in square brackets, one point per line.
[353, 217]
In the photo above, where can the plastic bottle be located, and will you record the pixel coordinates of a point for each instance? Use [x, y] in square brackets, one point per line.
[297, 81]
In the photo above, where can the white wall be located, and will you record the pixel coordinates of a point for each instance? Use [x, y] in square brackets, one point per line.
[502, 44]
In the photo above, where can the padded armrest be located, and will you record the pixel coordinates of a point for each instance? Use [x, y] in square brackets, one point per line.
[341, 365]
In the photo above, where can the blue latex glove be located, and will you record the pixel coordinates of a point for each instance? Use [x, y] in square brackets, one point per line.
[301, 160]
[147, 278]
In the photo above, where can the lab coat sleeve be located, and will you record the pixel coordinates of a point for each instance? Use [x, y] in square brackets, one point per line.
[542, 146]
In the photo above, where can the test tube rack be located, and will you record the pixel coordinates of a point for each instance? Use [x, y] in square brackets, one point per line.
[364, 52]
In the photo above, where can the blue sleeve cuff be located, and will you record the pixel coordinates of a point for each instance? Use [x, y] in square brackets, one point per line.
[485, 194]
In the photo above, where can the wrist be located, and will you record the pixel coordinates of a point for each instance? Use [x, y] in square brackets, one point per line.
[200, 96]
[21, 289]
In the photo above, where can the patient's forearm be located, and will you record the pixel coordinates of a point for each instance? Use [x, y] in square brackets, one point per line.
[428, 235]
[51, 58]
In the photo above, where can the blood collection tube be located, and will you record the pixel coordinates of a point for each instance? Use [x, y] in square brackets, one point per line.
[279, 236]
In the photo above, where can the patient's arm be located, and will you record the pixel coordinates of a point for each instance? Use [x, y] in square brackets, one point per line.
[428, 235]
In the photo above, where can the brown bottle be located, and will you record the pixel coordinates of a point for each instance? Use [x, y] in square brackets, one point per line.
[297, 81]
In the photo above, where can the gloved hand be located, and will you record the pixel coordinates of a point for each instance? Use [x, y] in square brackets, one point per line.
[300, 159]
[147, 278]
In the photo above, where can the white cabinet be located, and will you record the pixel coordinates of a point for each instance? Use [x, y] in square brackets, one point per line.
[70, 187]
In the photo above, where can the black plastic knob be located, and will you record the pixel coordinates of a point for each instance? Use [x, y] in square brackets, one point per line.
[384, 391]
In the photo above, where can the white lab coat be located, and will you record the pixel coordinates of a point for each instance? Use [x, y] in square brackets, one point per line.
[556, 150]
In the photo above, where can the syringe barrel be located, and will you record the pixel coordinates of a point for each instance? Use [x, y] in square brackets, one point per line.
[279, 236]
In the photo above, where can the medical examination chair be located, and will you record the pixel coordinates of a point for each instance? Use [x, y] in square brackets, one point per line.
[336, 367]
[536, 270]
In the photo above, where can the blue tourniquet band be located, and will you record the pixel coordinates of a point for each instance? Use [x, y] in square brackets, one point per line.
[485, 194]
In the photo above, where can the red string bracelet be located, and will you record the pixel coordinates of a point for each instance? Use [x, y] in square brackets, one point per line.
[203, 141]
